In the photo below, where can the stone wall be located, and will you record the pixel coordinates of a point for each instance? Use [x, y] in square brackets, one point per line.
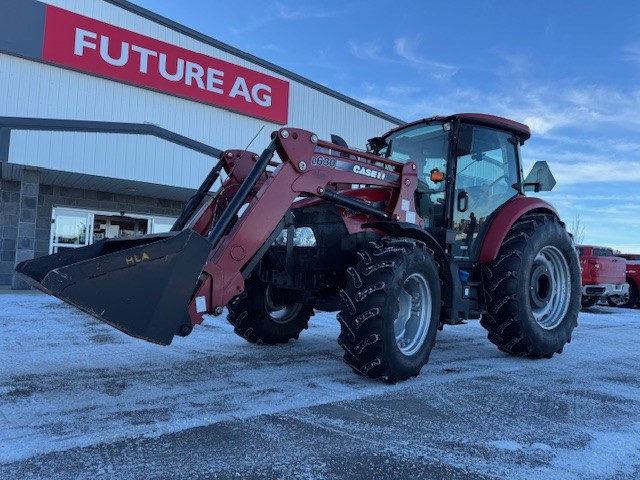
[9, 209]
[25, 216]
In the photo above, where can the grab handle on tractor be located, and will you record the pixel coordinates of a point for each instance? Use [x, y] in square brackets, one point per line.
[463, 201]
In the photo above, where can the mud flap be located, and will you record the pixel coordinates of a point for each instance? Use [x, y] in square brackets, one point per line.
[139, 285]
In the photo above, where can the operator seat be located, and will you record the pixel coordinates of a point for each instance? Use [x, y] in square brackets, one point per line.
[425, 206]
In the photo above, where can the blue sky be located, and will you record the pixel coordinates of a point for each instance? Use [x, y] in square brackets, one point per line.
[569, 69]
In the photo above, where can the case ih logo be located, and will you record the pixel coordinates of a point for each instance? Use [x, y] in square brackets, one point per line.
[369, 172]
[92, 46]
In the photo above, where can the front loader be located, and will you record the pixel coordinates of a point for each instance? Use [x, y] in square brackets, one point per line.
[430, 226]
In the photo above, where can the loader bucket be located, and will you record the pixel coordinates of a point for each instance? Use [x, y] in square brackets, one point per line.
[139, 285]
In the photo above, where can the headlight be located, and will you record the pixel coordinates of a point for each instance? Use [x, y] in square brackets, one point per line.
[302, 237]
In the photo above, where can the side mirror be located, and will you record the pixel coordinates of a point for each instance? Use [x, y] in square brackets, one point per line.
[375, 144]
[540, 178]
[465, 139]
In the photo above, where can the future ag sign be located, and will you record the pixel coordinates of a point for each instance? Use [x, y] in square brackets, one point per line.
[88, 45]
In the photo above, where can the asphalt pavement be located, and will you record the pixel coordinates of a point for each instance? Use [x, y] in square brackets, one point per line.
[79, 400]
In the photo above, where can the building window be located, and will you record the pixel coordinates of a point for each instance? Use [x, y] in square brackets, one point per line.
[73, 228]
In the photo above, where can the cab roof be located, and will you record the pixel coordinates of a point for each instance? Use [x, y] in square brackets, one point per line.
[520, 130]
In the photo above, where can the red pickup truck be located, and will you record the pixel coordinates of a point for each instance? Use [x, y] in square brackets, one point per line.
[603, 274]
[633, 279]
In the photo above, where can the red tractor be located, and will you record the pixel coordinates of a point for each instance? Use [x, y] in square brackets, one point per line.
[430, 226]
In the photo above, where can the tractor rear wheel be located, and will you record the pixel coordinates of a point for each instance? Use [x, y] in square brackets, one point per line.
[626, 301]
[259, 317]
[533, 289]
[391, 310]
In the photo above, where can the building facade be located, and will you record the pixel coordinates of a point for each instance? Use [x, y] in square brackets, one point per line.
[106, 113]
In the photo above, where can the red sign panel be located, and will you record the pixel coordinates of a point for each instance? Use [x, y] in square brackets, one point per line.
[92, 46]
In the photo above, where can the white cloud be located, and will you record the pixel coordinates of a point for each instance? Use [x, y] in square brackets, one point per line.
[403, 53]
[583, 172]
[631, 53]
[610, 221]
[515, 65]
[548, 108]
[617, 196]
[405, 49]
[286, 12]
[280, 12]
[368, 51]
[543, 125]
[402, 90]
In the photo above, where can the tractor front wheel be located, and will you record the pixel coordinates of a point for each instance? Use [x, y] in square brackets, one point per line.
[259, 317]
[533, 289]
[391, 310]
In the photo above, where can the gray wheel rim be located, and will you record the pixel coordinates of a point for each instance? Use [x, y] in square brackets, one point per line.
[620, 299]
[414, 315]
[550, 287]
[280, 313]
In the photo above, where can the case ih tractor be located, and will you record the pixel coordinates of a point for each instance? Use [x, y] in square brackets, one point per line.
[429, 227]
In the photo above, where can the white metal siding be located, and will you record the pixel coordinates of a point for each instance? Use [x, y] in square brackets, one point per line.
[32, 89]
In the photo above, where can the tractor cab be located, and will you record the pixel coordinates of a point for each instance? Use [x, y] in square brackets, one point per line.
[468, 166]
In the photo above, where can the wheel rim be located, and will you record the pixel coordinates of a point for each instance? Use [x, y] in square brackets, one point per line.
[280, 313]
[414, 315]
[620, 300]
[550, 287]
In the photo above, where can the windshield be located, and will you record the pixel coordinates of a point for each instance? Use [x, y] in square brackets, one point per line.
[425, 144]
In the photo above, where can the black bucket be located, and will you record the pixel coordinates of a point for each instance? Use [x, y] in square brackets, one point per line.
[140, 285]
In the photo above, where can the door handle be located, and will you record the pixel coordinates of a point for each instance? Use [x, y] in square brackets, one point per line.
[463, 201]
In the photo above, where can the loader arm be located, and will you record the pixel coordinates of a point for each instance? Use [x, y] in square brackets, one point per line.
[156, 286]
[310, 167]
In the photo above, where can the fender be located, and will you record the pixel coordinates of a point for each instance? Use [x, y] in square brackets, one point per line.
[504, 219]
[406, 229]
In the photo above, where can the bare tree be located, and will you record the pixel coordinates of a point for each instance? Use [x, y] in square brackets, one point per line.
[576, 228]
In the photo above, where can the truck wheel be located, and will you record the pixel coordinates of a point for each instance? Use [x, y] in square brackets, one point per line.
[626, 301]
[533, 289]
[391, 310]
[259, 318]
[587, 302]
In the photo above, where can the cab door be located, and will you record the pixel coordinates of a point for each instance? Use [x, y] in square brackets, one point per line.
[485, 179]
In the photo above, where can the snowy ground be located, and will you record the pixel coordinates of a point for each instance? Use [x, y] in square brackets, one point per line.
[79, 399]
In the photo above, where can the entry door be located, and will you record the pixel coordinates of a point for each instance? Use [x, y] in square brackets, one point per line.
[70, 229]
[484, 181]
[160, 224]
